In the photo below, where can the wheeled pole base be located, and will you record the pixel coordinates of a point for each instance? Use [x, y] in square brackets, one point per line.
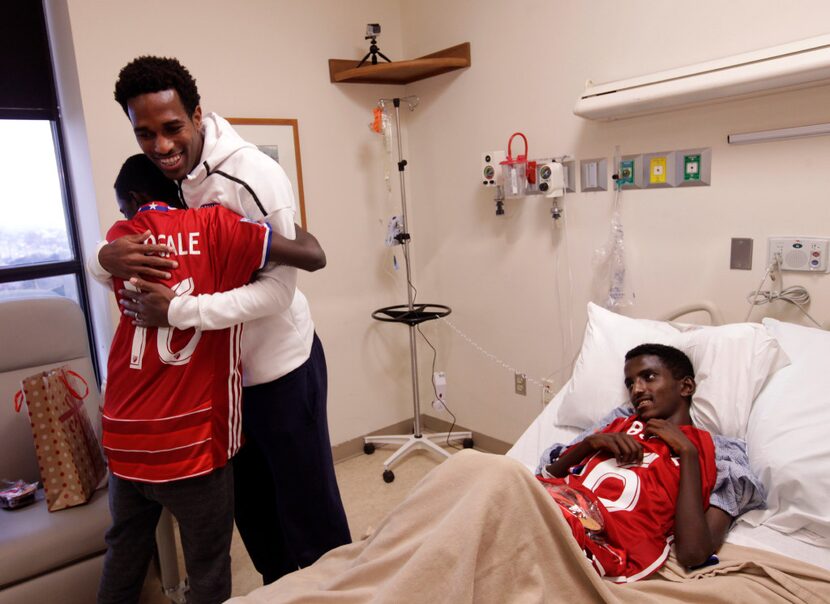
[411, 442]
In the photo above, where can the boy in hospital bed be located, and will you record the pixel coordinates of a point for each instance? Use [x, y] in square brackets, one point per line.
[645, 476]
[480, 528]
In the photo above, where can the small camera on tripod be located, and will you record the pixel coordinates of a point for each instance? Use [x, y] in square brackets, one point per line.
[372, 30]
[372, 33]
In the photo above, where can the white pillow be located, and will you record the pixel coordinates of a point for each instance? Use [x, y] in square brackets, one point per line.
[732, 363]
[596, 385]
[788, 441]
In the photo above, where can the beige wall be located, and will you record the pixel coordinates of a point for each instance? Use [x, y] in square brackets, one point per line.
[270, 59]
[517, 286]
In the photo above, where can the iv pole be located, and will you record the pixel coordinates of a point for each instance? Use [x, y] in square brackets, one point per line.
[412, 314]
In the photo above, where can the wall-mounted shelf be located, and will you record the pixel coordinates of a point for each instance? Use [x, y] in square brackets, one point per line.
[400, 72]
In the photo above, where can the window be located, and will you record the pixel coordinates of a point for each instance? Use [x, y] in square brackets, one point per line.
[39, 246]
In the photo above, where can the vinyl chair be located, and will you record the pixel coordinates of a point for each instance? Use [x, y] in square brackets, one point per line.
[57, 556]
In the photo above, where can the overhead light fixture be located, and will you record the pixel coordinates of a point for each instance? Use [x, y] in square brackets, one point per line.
[781, 134]
[791, 66]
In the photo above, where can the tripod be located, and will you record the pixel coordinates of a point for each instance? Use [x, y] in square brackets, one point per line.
[410, 314]
[374, 51]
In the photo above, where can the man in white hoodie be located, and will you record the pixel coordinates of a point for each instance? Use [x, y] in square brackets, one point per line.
[288, 507]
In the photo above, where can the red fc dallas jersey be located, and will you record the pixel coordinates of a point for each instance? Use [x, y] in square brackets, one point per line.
[172, 406]
[637, 502]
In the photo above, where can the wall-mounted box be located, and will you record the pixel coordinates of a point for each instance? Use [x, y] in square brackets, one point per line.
[800, 253]
[491, 172]
[550, 178]
[693, 167]
[593, 174]
[659, 171]
[630, 172]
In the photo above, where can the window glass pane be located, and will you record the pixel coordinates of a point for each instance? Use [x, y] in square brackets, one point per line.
[33, 229]
[63, 285]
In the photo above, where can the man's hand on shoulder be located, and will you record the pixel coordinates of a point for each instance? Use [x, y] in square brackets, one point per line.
[148, 306]
[129, 256]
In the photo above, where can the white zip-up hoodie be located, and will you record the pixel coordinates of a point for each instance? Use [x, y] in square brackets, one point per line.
[278, 327]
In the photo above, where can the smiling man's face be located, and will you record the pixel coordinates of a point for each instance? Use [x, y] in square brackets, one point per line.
[654, 391]
[166, 134]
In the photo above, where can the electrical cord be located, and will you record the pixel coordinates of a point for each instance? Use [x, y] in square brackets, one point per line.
[796, 295]
[508, 367]
[435, 390]
[751, 297]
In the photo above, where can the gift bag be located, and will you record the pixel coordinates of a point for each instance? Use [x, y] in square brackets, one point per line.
[68, 453]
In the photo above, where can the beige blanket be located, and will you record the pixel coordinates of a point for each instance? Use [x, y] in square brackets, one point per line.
[480, 528]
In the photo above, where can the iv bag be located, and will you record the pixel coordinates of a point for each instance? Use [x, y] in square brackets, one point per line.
[382, 124]
[610, 263]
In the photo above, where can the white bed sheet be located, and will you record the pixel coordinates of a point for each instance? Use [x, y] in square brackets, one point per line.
[543, 432]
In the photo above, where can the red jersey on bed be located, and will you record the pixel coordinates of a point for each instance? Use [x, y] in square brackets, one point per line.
[637, 502]
[172, 403]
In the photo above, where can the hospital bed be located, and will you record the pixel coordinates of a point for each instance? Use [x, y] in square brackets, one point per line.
[786, 424]
[480, 528]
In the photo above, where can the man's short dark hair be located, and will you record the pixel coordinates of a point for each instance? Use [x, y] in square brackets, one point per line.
[153, 74]
[141, 175]
[673, 359]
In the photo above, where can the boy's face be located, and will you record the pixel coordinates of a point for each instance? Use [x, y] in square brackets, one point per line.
[166, 134]
[127, 206]
[653, 390]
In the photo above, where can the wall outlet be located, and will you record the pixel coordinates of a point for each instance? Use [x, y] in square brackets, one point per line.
[521, 384]
[548, 391]
[439, 382]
